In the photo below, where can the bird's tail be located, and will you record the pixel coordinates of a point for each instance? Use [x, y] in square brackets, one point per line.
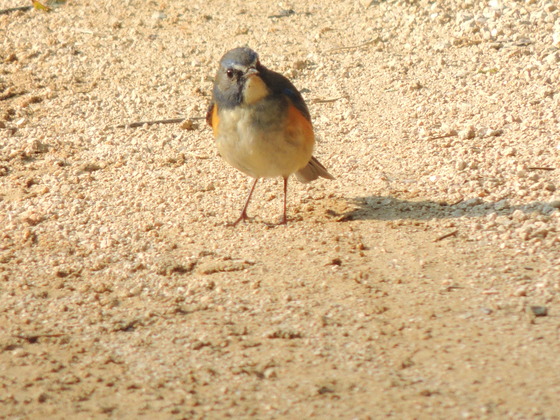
[312, 171]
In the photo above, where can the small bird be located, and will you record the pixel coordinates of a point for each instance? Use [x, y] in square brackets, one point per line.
[261, 123]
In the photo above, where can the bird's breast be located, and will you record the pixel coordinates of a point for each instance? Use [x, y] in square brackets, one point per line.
[260, 141]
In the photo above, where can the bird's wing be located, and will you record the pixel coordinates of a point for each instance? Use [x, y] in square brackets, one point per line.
[281, 85]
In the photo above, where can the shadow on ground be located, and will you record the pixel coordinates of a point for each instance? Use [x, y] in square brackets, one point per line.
[389, 208]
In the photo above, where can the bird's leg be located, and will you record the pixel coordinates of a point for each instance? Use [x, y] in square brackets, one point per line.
[243, 215]
[284, 219]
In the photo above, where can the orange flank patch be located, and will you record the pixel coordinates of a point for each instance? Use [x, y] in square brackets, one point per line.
[215, 120]
[297, 125]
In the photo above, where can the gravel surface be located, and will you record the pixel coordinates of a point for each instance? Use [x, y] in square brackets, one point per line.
[424, 282]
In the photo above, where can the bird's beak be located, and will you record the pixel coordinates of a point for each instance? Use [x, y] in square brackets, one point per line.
[251, 71]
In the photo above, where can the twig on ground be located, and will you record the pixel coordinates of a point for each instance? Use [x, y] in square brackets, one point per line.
[443, 136]
[33, 338]
[15, 9]
[447, 235]
[166, 121]
[537, 168]
[324, 101]
[351, 47]
[283, 13]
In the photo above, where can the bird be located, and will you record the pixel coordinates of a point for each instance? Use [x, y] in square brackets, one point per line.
[261, 124]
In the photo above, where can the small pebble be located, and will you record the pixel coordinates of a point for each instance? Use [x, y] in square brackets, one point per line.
[520, 291]
[159, 16]
[538, 310]
[467, 133]
[460, 165]
[509, 151]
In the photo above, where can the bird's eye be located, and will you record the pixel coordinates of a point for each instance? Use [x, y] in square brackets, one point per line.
[230, 73]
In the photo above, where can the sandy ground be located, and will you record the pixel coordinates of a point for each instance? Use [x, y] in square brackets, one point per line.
[422, 283]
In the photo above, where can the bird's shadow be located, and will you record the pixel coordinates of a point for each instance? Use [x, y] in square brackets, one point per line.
[390, 208]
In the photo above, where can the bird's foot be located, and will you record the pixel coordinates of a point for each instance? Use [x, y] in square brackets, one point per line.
[282, 222]
[243, 217]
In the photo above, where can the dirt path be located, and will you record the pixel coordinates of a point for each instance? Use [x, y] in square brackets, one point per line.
[423, 283]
